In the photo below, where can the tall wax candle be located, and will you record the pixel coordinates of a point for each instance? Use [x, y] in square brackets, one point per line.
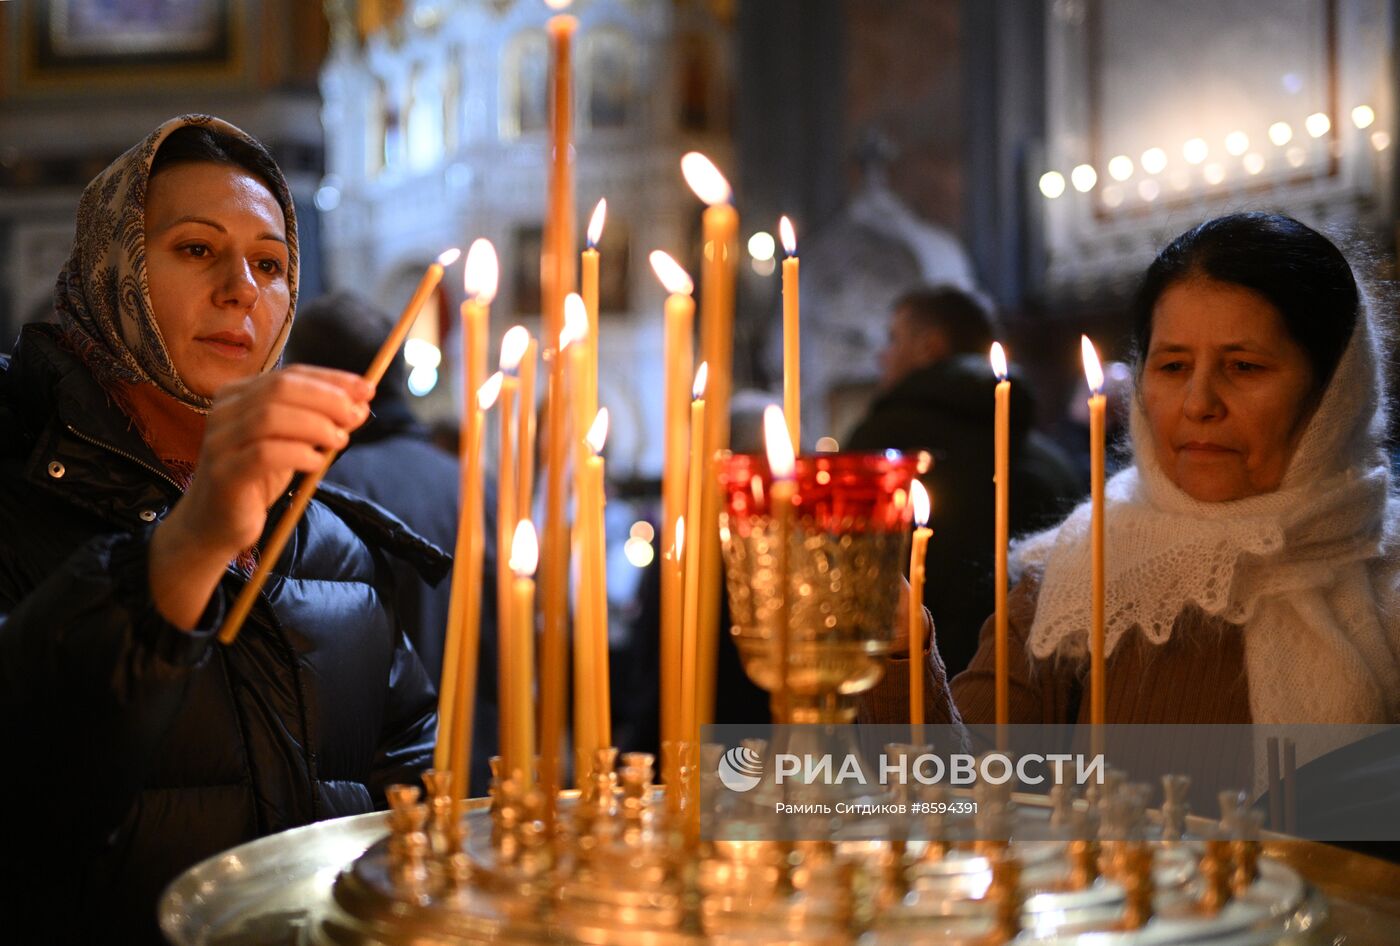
[917, 556]
[1093, 373]
[783, 488]
[679, 320]
[792, 338]
[557, 265]
[1001, 457]
[482, 273]
[525, 433]
[519, 754]
[467, 658]
[671, 670]
[588, 288]
[443, 751]
[557, 277]
[572, 354]
[720, 224]
[592, 505]
[512, 350]
[690, 645]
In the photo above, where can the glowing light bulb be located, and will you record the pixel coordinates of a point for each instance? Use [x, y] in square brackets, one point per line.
[762, 246]
[1195, 150]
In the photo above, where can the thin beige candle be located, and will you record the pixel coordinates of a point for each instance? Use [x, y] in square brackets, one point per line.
[1093, 373]
[557, 277]
[780, 495]
[690, 645]
[592, 506]
[474, 314]
[917, 555]
[679, 358]
[272, 549]
[720, 224]
[524, 557]
[443, 749]
[557, 264]
[573, 355]
[525, 433]
[512, 350]
[588, 289]
[462, 701]
[1001, 477]
[481, 276]
[671, 670]
[792, 337]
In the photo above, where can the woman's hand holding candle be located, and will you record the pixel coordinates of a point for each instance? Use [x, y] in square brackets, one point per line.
[259, 434]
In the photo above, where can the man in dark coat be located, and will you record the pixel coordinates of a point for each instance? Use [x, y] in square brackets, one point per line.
[937, 396]
[393, 461]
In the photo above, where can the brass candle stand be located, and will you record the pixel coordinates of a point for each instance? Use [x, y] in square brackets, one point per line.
[621, 869]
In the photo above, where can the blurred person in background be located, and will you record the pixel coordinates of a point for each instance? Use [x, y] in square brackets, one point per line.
[937, 395]
[393, 461]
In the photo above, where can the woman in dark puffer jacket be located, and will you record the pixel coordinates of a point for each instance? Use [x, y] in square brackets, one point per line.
[147, 442]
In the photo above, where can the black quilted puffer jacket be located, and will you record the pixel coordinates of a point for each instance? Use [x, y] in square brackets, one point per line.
[132, 749]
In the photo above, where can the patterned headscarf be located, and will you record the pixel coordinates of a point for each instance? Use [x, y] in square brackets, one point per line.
[102, 299]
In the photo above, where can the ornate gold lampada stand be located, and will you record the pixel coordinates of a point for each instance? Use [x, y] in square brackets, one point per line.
[625, 867]
[848, 541]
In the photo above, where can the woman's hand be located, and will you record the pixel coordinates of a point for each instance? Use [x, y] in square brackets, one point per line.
[261, 431]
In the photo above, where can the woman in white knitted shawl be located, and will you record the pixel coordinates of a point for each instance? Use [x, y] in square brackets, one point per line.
[1251, 562]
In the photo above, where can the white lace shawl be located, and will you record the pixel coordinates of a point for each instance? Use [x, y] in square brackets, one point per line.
[1308, 573]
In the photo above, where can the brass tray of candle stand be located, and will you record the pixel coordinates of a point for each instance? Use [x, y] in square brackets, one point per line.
[328, 883]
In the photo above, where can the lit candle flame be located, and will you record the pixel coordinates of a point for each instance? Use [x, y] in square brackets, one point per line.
[524, 550]
[705, 179]
[595, 223]
[788, 235]
[702, 377]
[482, 272]
[513, 346]
[558, 4]
[676, 280]
[575, 321]
[998, 361]
[486, 394]
[598, 432]
[680, 537]
[1093, 371]
[448, 257]
[775, 436]
[923, 507]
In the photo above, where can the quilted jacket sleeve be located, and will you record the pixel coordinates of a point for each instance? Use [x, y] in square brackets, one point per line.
[91, 675]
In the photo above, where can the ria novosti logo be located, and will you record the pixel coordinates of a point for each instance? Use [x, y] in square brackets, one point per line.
[740, 769]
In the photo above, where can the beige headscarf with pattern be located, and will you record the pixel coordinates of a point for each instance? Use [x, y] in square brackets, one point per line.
[102, 299]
